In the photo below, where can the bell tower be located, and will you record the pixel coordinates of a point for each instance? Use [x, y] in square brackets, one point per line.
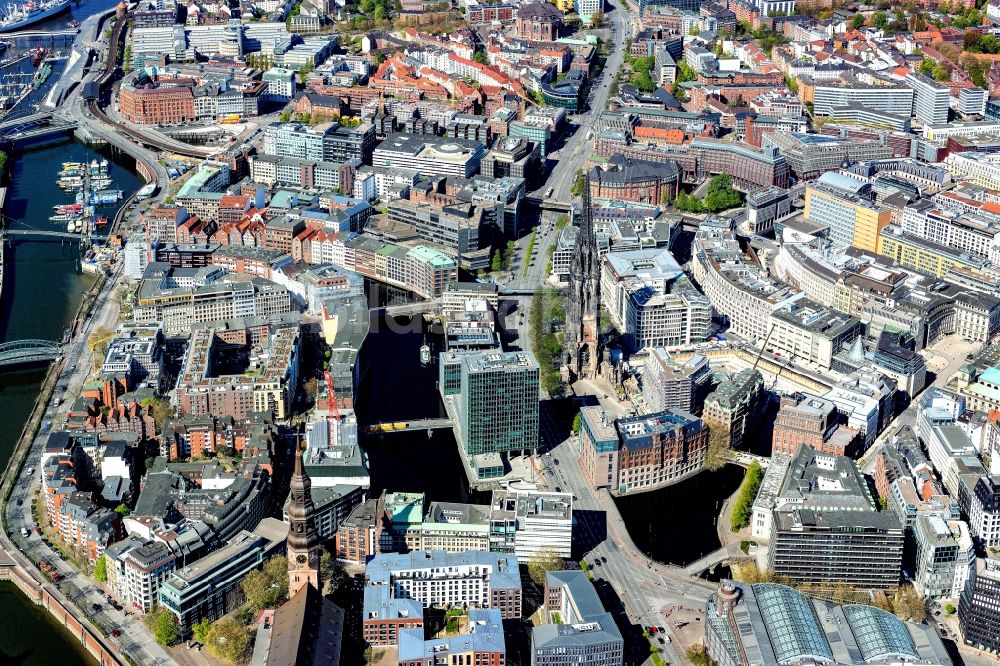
[303, 541]
[582, 336]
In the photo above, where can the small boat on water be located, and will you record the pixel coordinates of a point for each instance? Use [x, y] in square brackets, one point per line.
[38, 55]
[70, 226]
[100, 197]
[101, 221]
[41, 76]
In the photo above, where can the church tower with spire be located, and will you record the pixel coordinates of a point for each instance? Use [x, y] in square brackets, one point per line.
[303, 540]
[582, 344]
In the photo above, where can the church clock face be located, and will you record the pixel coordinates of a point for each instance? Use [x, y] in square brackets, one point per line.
[301, 559]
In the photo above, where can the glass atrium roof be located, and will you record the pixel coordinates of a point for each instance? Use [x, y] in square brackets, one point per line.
[792, 625]
[879, 634]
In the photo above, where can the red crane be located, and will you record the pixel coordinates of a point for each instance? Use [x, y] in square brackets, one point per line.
[334, 413]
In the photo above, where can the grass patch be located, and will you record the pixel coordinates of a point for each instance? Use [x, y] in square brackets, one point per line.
[527, 252]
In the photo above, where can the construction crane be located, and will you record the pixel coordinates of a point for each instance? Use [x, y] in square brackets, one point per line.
[763, 347]
[149, 245]
[334, 414]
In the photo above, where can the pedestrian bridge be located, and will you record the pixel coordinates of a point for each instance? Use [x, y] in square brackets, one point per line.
[412, 309]
[408, 426]
[28, 351]
[17, 234]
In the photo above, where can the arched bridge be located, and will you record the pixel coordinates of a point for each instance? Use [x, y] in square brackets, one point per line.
[28, 351]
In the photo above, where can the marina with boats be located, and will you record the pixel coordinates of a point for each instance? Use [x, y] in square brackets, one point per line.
[91, 184]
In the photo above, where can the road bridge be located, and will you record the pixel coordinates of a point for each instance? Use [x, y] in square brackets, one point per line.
[714, 558]
[28, 351]
[25, 120]
[51, 127]
[69, 32]
[550, 205]
[514, 291]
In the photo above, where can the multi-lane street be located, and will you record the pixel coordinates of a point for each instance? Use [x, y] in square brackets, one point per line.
[573, 152]
[90, 600]
[648, 591]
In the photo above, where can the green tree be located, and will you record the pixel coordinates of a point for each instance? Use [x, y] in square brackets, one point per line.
[597, 19]
[163, 625]
[265, 587]
[942, 72]
[949, 609]
[496, 263]
[200, 631]
[880, 20]
[285, 116]
[379, 14]
[718, 446]
[577, 422]
[122, 510]
[577, 188]
[721, 195]
[162, 410]
[907, 604]
[697, 655]
[542, 562]
[228, 640]
[481, 58]
[743, 508]
[508, 254]
[101, 569]
[858, 21]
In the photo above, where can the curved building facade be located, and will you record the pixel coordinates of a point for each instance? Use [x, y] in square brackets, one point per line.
[738, 290]
[749, 167]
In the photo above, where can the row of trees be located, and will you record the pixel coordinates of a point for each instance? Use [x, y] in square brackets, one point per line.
[546, 308]
[721, 196]
[502, 257]
[904, 601]
[743, 508]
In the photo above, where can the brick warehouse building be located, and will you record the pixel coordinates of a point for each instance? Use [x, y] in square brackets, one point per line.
[151, 104]
[627, 179]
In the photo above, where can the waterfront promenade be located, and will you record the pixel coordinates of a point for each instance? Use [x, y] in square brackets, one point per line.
[78, 596]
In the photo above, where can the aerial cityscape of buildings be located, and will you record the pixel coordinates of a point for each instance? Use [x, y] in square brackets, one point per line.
[495, 333]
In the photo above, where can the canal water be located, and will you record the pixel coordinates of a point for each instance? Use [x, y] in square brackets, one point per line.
[657, 520]
[29, 637]
[42, 291]
[396, 387]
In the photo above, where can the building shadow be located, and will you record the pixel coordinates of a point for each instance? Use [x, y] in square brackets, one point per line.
[590, 528]
[636, 649]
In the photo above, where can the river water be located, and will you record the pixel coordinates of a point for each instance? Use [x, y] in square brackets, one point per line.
[42, 291]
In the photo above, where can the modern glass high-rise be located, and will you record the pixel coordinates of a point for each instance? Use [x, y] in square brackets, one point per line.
[497, 402]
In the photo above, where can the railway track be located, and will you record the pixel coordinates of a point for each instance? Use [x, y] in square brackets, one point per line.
[107, 78]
